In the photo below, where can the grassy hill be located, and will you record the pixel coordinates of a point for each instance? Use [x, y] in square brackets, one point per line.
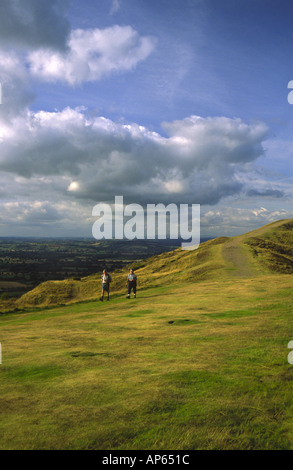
[269, 249]
[197, 361]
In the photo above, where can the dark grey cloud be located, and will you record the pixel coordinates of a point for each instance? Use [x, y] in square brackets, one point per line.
[34, 23]
[265, 193]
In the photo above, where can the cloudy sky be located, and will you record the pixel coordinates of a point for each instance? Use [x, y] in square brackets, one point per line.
[171, 101]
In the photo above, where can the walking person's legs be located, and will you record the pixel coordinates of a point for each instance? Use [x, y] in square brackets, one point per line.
[131, 285]
[106, 288]
[128, 290]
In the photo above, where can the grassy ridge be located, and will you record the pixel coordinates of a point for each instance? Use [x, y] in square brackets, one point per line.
[269, 249]
[274, 248]
[172, 267]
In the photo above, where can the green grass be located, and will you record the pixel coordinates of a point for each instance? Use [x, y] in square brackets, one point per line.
[197, 361]
[198, 367]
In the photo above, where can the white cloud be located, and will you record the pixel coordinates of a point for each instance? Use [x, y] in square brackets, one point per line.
[96, 158]
[114, 7]
[261, 211]
[91, 55]
[30, 212]
[74, 186]
[174, 186]
[42, 217]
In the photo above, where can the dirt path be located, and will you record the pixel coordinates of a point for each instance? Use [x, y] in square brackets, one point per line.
[237, 258]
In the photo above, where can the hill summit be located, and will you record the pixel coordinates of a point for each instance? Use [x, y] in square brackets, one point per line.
[260, 252]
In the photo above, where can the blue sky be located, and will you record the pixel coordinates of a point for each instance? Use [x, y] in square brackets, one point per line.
[159, 101]
[211, 57]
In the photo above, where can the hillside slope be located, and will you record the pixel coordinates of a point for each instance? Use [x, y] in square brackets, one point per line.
[266, 250]
[198, 366]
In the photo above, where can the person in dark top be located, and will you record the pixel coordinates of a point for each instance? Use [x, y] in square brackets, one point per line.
[131, 283]
[106, 279]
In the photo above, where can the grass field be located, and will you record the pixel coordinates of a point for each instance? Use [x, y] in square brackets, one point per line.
[202, 367]
[194, 365]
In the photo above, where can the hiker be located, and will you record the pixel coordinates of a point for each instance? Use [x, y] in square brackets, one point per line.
[106, 279]
[131, 283]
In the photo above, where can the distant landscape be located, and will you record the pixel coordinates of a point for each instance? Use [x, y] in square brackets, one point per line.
[26, 262]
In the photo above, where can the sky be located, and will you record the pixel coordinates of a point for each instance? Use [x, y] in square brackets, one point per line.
[178, 101]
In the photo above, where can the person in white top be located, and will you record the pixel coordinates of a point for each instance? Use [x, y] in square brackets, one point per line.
[106, 279]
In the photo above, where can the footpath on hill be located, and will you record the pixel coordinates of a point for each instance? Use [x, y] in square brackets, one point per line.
[237, 257]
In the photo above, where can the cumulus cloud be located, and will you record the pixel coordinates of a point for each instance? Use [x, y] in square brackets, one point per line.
[91, 55]
[43, 218]
[30, 213]
[34, 23]
[229, 220]
[37, 43]
[94, 158]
